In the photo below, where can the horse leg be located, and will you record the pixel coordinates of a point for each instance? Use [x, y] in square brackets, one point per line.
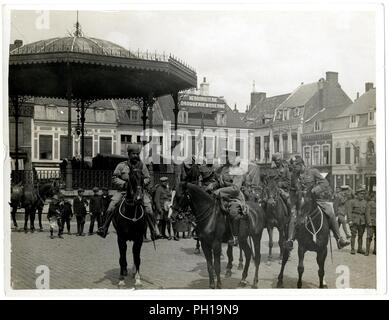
[197, 250]
[136, 248]
[257, 248]
[270, 256]
[230, 260]
[247, 253]
[217, 250]
[285, 257]
[13, 215]
[240, 265]
[208, 256]
[122, 243]
[281, 240]
[32, 219]
[300, 267]
[26, 215]
[321, 258]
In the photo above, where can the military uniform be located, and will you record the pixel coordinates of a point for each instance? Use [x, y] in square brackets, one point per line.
[316, 188]
[357, 221]
[371, 225]
[95, 209]
[341, 203]
[119, 181]
[162, 199]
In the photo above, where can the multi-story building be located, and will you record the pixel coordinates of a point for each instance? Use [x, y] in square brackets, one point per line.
[353, 142]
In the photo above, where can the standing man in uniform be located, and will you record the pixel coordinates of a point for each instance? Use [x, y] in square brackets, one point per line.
[79, 206]
[120, 178]
[341, 202]
[162, 199]
[371, 223]
[357, 215]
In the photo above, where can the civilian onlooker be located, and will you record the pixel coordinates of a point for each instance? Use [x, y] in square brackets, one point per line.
[54, 217]
[67, 212]
[371, 222]
[79, 207]
[95, 209]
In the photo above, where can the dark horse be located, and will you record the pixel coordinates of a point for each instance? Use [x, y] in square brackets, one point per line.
[211, 226]
[276, 215]
[31, 199]
[129, 221]
[312, 235]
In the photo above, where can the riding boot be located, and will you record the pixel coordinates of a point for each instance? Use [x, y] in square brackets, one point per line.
[374, 250]
[103, 230]
[360, 250]
[341, 242]
[352, 244]
[368, 242]
[291, 232]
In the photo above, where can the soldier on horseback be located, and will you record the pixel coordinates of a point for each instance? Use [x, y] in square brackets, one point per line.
[120, 179]
[312, 183]
[282, 178]
[228, 188]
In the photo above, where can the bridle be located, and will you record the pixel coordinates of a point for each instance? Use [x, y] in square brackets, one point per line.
[135, 218]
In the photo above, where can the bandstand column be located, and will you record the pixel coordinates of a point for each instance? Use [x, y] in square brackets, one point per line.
[69, 171]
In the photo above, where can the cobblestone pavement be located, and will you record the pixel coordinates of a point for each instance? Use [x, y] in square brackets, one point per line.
[91, 262]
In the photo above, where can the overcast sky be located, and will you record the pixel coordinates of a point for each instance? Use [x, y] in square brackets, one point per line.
[278, 50]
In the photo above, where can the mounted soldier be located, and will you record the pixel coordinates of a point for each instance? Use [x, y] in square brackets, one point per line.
[133, 166]
[227, 187]
[314, 185]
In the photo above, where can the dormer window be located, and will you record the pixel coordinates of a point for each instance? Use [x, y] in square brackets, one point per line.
[100, 115]
[286, 115]
[51, 112]
[134, 113]
[317, 126]
[354, 121]
[183, 117]
[279, 115]
[221, 119]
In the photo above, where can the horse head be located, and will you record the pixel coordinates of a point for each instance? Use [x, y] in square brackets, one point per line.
[181, 198]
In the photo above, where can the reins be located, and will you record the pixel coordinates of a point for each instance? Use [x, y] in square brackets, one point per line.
[135, 219]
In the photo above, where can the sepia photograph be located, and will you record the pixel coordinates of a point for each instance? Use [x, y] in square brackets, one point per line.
[192, 149]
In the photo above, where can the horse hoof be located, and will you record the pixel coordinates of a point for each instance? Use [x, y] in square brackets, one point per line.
[219, 286]
[280, 285]
[122, 283]
[254, 286]
[138, 283]
[124, 273]
[240, 266]
[197, 251]
[228, 273]
[243, 283]
[299, 285]
[324, 286]
[211, 286]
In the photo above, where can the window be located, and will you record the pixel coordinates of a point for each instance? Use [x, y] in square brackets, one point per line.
[371, 115]
[134, 115]
[316, 156]
[12, 135]
[266, 147]
[182, 116]
[100, 115]
[106, 145]
[356, 154]
[326, 155]
[222, 145]
[317, 126]
[286, 115]
[257, 148]
[338, 157]
[279, 115]
[63, 147]
[45, 147]
[347, 151]
[88, 146]
[294, 143]
[307, 155]
[285, 143]
[276, 144]
[125, 140]
[353, 121]
[238, 146]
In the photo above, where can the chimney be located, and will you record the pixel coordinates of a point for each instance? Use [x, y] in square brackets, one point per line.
[357, 96]
[15, 45]
[332, 77]
[368, 86]
[204, 87]
[257, 97]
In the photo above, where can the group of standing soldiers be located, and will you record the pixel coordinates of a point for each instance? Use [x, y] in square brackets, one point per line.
[61, 211]
[359, 212]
